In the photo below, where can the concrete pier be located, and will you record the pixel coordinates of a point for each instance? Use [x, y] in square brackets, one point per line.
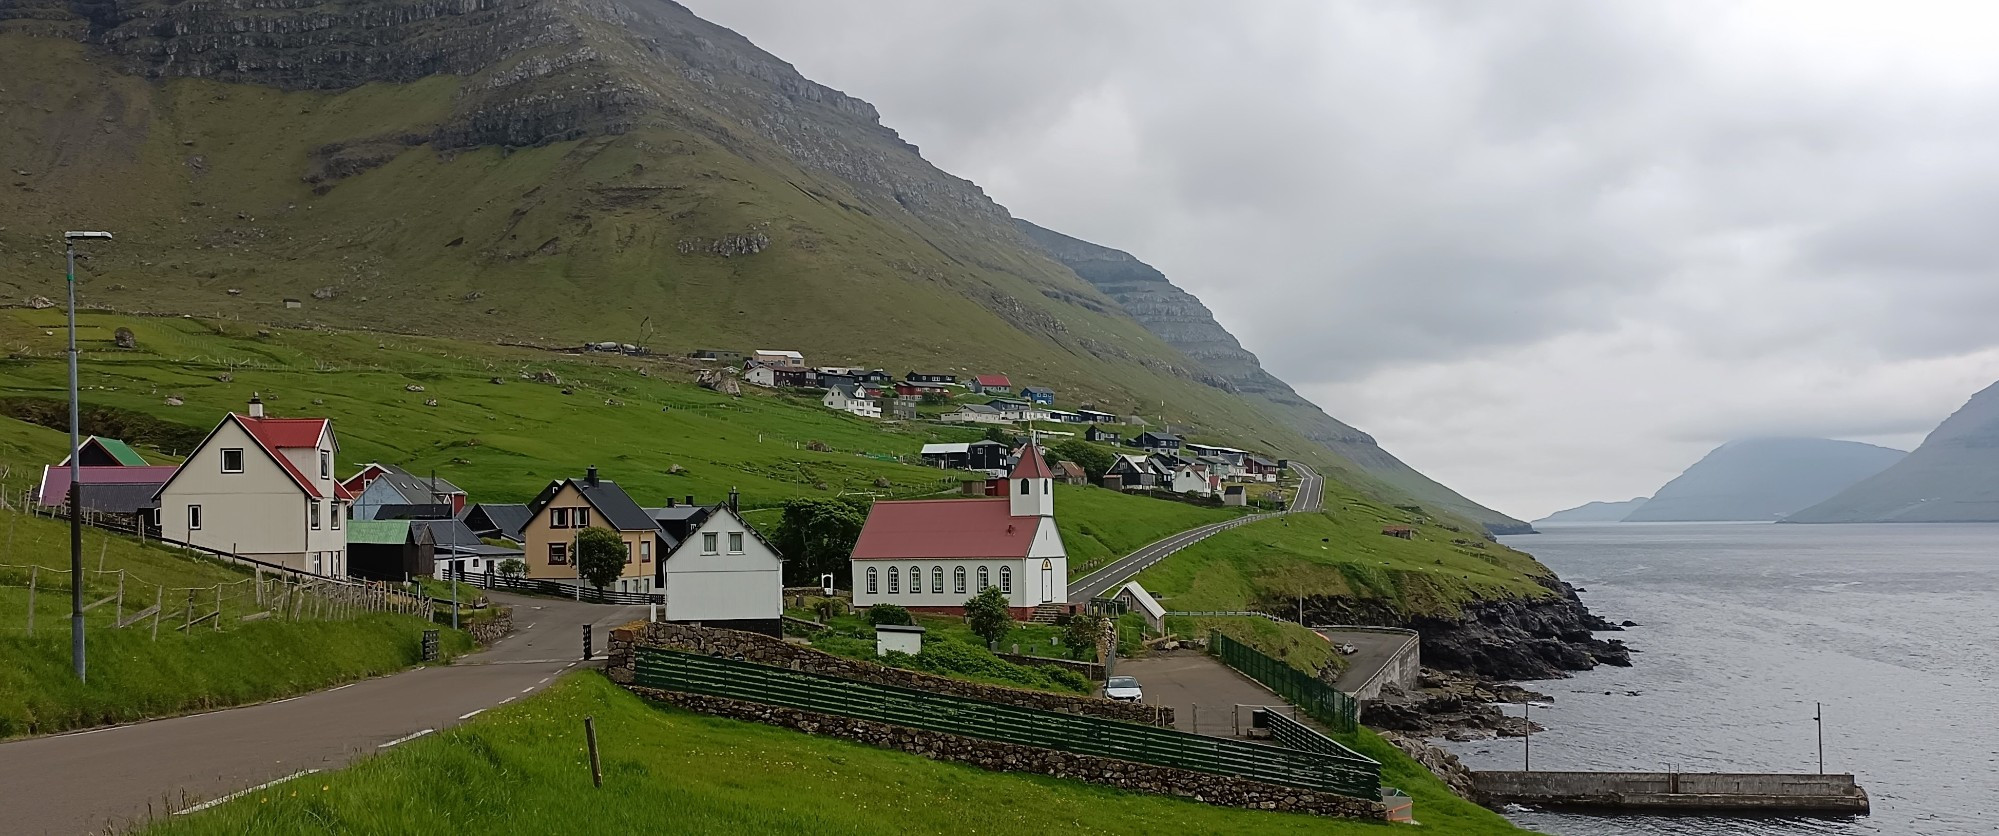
[1676, 791]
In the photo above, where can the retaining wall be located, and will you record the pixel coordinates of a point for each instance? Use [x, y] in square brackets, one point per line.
[765, 650]
[492, 629]
[1769, 792]
[1402, 669]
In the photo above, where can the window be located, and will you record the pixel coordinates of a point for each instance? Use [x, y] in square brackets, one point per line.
[558, 554]
[312, 510]
[871, 580]
[232, 460]
[937, 579]
[1048, 486]
[1006, 579]
[194, 518]
[735, 542]
[893, 588]
[1023, 487]
[579, 517]
[916, 580]
[336, 516]
[645, 551]
[558, 518]
[325, 465]
[708, 546]
[958, 580]
[985, 580]
[628, 551]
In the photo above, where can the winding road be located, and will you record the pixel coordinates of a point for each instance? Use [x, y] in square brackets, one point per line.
[1310, 494]
[112, 778]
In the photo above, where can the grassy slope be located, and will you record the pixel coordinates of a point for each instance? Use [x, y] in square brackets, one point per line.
[522, 769]
[951, 649]
[1099, 525]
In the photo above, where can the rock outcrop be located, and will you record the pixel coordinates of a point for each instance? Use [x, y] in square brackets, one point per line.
[1508, 638]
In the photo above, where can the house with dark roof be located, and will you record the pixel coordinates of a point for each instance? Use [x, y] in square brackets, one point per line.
[967, 455]
[1038, 394]
[1157, 441]
[1071, 473]
[496, 520]
[377, 485]
[1100, 435]
[388, 550]
[930, 377]
[565, 508]
[460, 551]
[933, 554]
[116, 480]
[989, 384]
[262, 488]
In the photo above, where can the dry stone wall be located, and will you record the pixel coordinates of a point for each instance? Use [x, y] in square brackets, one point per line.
[765, 650]
[1220, 790]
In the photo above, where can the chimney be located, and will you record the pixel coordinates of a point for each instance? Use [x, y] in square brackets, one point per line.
[734, 498]
[690, 500]
[590, 476]
[669, 502]
[256, 406]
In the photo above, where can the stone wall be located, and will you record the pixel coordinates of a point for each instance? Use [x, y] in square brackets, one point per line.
[1220, 790]
[493, 629]
[764, 650]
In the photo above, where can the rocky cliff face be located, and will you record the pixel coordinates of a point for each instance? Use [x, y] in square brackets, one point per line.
[1180, 319]
[1502, 638]
[1952, 477]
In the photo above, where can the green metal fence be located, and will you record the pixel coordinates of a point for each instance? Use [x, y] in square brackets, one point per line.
[1346, 774]
[1325, 703]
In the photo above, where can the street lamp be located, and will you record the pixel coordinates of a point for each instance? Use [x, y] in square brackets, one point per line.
[75, 471]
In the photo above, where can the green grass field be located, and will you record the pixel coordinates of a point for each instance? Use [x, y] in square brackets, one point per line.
[523, 769]
[951, 649]
[1099, 525]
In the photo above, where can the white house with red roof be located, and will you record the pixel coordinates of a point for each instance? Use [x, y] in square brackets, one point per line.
[989, 384]
[933, 554]
[262, 488]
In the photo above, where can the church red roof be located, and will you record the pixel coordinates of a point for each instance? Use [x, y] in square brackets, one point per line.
[945, 528]
[1031, 464]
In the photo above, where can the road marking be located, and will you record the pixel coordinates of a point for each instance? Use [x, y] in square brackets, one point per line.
[505, 701]
[544, 681]
[348, 685]
[570, 665]
[529, 689]
[470, 714]
[530, 625]
[405, 739]
[240, 793]
[94, 731]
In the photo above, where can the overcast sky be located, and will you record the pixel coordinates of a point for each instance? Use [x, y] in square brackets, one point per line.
[1546, 252]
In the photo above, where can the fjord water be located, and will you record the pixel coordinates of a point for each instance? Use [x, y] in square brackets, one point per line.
[1742, 628]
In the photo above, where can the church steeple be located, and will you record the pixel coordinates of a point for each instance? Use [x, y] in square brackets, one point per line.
[1031, 485]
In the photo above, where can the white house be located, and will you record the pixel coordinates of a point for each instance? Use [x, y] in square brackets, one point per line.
[775, 357]
[845, 397]
[724, 575]
[1190, 479]
[974, 413]
[760, 376]
[933, 554]
[262, 488]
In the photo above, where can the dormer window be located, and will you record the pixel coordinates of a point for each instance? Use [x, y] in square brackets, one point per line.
[325, 464]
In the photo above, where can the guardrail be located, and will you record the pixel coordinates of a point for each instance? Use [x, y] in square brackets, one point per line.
[1324, 702]
[1347, 774]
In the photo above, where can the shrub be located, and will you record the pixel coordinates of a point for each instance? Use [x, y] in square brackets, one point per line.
[880, 614]
[988, 615]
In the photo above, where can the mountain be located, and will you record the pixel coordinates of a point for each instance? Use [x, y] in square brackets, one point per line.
[1595, 512]
[1952, 477]
[1179, 318]
[1764, 479]
[547, 172]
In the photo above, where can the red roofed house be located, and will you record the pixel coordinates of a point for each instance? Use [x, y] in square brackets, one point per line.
[933, 554]
[262, 488]
[990, 384]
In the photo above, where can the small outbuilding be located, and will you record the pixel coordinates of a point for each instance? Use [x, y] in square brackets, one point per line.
[900, 638]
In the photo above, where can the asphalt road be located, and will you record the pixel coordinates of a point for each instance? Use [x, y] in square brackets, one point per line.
[1311, 491]
[1202, 692]
[92, 780]
[1371, 651]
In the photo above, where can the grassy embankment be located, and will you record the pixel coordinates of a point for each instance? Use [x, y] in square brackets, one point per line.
[1339, 553]
[523, 769]
[951, 649]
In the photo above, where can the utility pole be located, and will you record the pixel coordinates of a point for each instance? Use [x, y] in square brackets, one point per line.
[75, 466]
[1527, 751]
[1818, 716]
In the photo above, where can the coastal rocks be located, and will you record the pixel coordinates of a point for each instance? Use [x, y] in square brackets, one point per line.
[1444, 765]
[1451, 706]
[1512, 638]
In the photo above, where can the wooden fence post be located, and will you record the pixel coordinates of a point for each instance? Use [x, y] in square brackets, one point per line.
[218, 607]
[596, 768]
[159, 604]
[188, 617]
[118, 609]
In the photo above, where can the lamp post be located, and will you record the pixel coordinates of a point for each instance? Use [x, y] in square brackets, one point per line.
[75, 469]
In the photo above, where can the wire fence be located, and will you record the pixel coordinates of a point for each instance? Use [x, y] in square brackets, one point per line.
[34, 597]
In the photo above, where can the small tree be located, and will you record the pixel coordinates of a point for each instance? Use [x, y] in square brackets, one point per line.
[999, 435]
[988, 615]
[816, 536]
[512, 567]
[1094, 459]
[1083, 633]
[933, 399]
[880, 614]
[600, 556]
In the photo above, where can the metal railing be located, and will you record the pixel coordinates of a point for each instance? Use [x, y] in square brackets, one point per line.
[1323, 702]
[1347, 774]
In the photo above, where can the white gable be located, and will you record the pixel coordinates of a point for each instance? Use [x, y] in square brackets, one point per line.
[723, 572]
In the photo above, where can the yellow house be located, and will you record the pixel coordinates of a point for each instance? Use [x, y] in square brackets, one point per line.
[565, 508]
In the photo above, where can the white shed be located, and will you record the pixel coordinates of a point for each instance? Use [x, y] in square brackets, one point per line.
[1136, 599]
[899, 638]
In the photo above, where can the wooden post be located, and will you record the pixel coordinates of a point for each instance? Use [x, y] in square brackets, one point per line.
[34, 573]
[188, 617]
[218, 608]
[259, 571]
[118, 609]
[159, 604]
[596, 768]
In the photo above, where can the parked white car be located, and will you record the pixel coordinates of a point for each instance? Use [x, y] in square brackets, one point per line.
[1123, 689]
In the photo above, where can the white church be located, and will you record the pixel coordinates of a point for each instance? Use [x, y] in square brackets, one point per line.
[931, 555]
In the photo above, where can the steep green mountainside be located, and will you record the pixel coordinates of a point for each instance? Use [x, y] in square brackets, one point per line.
[541, 172]
[1180, 319]
[1763, 479]
[1952, 477]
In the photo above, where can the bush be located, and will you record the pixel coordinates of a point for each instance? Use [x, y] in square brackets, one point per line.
[988, 615]
[880, 614]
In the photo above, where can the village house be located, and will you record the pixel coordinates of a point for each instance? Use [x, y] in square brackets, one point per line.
[1064, 416]
[990, 384]
[875, 377]
[1071, 473]
[385, 486]
[1157, 441]
[721, 356]
[1095, 417]
[1259, 469]
[1018, 410]
[565, 508]
[1235, 495]
[722, 573]
[974, 413]
[1099, 435]
[458, 551]
[1194, 480]
[496, 520]
[262, 488]
[115, 480]
[902, 409]
[917, 389]
[849, 398]
[773, 357]
[781, 376]
[1038, 394]
[931, 377]
[974, 455]
[932, 555]
[1133, 472]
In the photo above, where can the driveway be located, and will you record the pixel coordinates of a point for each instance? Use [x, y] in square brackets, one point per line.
[1372, 650]
[1202, 692]
[114, 777]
